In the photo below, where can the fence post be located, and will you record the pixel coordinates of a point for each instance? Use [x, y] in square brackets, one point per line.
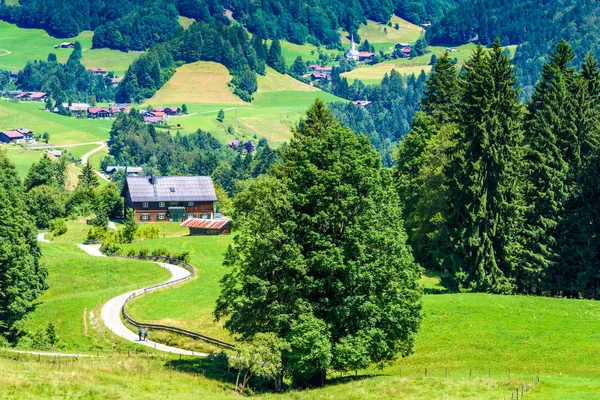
[425, 372]
[39, 357]
[446, 372]
[489, 372]
[470, 372]
[509, 373]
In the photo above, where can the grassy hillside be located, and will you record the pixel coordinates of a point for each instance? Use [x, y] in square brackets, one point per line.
[79, 285]
[373, 74]
[382, 36]
[202, 86]
[19, 45]
[23, 159]
[62, 130]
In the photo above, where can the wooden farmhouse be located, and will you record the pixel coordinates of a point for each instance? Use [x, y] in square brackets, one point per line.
[170, 198]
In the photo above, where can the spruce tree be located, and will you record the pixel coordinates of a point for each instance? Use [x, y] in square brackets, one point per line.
[479, 235]
[274, 59]
[22, 276]
[441, 91]
[550, 122]
[88, 178]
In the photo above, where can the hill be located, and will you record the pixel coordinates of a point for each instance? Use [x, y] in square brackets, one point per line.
[202, 86]
[383, 36]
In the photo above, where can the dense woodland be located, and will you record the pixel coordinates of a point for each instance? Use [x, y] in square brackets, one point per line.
[535, 26]
[135, 25]
[502, 196]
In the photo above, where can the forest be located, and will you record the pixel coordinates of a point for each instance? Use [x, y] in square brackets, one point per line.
[536, 27]
[499, 196]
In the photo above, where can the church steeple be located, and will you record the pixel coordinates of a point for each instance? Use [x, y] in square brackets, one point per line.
[352, 45]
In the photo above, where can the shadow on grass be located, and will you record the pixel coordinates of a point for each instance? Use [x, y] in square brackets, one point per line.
[435, 282]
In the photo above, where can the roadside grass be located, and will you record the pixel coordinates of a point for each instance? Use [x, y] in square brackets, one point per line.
[96, 158]
[190, 305]
[79, 285]
[385, 37]
[78, 151]
[373, 74]
[21, 158]
[62, 130]
[27, 44]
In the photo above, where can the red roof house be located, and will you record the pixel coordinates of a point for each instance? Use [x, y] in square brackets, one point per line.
[199, 226]
[97, 70]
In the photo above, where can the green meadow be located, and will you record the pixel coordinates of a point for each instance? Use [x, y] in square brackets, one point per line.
[202, 86]
[62, 130]
[20, 45]
[384, 37]
[22, 159]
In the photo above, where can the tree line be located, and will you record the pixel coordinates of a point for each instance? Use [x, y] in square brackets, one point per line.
[535, 29]
[134, 143]
[501, 195]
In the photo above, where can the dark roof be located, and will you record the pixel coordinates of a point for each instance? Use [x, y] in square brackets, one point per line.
[113, 168]
[171, 188]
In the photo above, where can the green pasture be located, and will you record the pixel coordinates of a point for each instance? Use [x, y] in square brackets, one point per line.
[79, 285]
[22, 159]
[373, 74]
[20, 45]
[62, 130]
[385, 37]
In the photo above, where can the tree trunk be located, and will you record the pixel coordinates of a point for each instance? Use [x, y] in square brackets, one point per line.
[316, 380]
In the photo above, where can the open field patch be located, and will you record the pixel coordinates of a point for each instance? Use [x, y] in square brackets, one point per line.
[382, 36]
[199, 82]
[26, 44]
[62, 130]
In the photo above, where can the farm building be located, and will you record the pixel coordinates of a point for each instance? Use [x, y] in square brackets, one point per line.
[167, 110]
[199, 226]
[321, 70]
[19, 135]
[99, 112]
[131, 171]
[361, 103]
[170, 198]
[97, 70]
[33, 96]
[317, 77]
[77, 108]
[365, 56]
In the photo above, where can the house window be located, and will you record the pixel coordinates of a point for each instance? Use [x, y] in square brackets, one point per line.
[191, 204]
[174, 203]
[145, 217]
[191, 215]
[161, 204]
[144, 205]
[205, 216]
[162, 216]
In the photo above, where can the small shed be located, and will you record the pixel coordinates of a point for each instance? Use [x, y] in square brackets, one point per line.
[200, 226]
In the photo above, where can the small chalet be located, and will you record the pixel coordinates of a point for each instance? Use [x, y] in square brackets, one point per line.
[98, 70]
[33, 96]
[170, 198]
[317, 77]
[77, 108]
[406, 51]
[131, 171]
[403, 45]
[14, 74]
[167, 110]
[19, 135]
[199, 226]
[117, 108]
[234, 144]
[115, 81]
[154, 120]
[65, 45]
[321, 70]
[99, 112]
[365, 56]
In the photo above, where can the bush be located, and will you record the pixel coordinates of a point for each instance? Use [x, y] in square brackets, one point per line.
[59, 227]
[160, 252]
[182, 256]
[132, 253]
[147, 232]
[110, 246]
[97, 233]
[143, 252]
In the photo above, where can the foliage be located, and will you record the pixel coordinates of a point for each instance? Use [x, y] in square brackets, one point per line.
[274, 59]
[319, 241]
[145, 232]
[58, 227]
[22, 276]
[44, 172]
[221, 115]
[260, 356]
[45, 203]
[131, 226]
[88, 178]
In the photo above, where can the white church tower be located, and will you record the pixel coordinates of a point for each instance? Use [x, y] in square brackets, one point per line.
[352, 53]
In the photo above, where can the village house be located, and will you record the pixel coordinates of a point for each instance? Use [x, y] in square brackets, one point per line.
[170, 198]
[98, 70]
[234, 144]
[33, 96]
[65, 45]
[19, 135]
[131, 171]
[318, 77]
[77, 108]
[356, 55]
[361, 103]
[321, 70]
[154, 120]
[115, 81]
[55, 153]
[365, 56]
[171, 111]
[98, 112]
[117, 108]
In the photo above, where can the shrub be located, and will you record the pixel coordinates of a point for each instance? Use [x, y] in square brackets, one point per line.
[147, 232]
[132, 253]
[182, 256]
[143, 252]
[97, 233]
[59, 227]
[160, 252]
[110, 246]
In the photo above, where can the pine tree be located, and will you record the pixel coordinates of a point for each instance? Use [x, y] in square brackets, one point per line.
[483, 210]
[221, 115]
[441, 91]
[88, 178]
[274, 59]
[131, 226]
[42, 172]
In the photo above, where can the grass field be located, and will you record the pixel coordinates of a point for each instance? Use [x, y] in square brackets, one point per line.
[79, 285]
[202, 86]
[185, 22]
[373, 74]
[22, 159]
[21, 45]
[385, 37]
[62, 130]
